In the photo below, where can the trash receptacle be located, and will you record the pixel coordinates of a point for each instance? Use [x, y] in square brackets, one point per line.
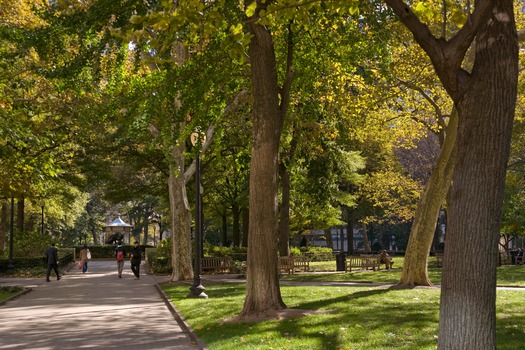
[340, 261]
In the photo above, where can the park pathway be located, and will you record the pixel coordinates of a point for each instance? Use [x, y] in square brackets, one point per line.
[96, 310]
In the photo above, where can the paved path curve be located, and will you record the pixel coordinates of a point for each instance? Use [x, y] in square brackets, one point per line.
[96, 310]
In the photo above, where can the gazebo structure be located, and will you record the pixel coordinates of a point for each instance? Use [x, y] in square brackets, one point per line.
[116, 230]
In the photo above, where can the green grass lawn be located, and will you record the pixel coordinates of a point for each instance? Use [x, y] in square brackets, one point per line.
[355, 318]
[508, 275]
[7, 292]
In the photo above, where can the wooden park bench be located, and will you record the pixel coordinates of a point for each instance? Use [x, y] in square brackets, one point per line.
[439, 258]
[362, 262]
[290, 264]
[217, 264]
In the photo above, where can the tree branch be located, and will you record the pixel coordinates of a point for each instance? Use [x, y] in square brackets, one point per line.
[413, 86]
[287, 86]
[446, 56]
[229, 109]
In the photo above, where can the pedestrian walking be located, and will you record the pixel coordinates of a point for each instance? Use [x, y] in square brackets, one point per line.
[136, 257]
[52, 262]
[85, 255]
[120, 253]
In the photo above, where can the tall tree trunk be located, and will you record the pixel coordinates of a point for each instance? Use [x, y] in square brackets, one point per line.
[180, 217]
[245, 226]
[20, 217]
[3, 224]
[284, 212]
[350, 235]
[236, 227]
[468, 297]
[366, 243]
[424, 225]
[328, 236]
[95, 236]
[224, 235]
[146, 227]
[263, 295]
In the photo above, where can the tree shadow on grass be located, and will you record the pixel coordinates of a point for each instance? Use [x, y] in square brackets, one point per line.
[359, 313]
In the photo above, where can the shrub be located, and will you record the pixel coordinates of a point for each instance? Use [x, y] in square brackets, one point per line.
[317, 253]
[295, 251]
[159, 263]
[31, 244]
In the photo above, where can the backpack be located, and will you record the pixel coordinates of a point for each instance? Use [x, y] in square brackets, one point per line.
[120, 255]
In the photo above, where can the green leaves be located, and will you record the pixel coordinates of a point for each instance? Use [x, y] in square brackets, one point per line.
[250, 9]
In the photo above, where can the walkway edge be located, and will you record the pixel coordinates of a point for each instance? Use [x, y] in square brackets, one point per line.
[186, 328]
[22, 292]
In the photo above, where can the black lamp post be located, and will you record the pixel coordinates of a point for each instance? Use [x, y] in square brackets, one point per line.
[42, 204]
[10, 264]
[197, 289]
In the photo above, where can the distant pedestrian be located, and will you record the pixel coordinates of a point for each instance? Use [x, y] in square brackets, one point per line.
[120, 253]
[52, 261]
[136, 257]
[85, 255]
[384, 258]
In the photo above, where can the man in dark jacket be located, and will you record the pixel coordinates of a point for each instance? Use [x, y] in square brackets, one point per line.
[136, 257]
[52, 261]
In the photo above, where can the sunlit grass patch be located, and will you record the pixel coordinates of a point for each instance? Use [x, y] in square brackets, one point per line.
[8, 292]
[355, 318]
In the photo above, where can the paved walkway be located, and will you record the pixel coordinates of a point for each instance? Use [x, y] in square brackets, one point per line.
[96, 310]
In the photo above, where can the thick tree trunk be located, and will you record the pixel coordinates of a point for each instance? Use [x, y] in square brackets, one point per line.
[95, 236]
[146, 229]
[366, 243]
[263, 295]
[350, 235]
[328, 236]
[180, 218]
[236, 227]
[224, 233]
[3, 224]
[468, 297]
[245, 226]
[424, 225]
[284, 212]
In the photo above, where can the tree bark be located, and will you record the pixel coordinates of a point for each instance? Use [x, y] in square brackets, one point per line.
[467, 311]
[180, 217]
[3, 224]
[350, 235]
[224, 233]
[485, 100]
[366, 243]
[328, 236]
[284, 212]
[424, 225]
[236, 227]
[263, 295]
[245, 226]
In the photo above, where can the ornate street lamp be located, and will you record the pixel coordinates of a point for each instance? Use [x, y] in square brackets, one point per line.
[197, 289]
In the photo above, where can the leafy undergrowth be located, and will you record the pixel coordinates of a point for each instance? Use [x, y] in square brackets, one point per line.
[30, 272]
[356, 318]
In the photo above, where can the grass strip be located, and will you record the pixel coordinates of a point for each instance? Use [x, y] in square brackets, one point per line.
[352, 318]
